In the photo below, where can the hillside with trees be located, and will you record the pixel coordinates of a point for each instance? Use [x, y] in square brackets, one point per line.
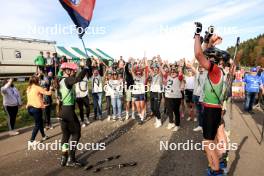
[250, 52]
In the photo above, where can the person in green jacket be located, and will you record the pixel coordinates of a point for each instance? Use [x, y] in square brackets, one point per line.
[40, 61]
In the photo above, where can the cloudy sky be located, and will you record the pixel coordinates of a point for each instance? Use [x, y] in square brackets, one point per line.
[135, 27]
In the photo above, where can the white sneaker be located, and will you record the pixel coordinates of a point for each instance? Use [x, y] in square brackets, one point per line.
[45, 138]
[13, 133]
[176, 128]
[158, 123]
[109, 118]
[87, 122]
[114, 118]
[133, 115]
[195, 119]
[170, 126]
[83, 125]
[127, 116]
[33, 143]
[189, 118]
[199, 128]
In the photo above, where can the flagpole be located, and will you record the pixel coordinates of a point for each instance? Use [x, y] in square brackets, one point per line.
[84, 48]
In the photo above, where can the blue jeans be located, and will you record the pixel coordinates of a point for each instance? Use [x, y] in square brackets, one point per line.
[117, 106]
[199, 109]
[37, 114]
[249, 101]
[97, 103]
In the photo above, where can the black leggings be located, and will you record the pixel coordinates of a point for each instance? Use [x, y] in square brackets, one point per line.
[83, 102]
[173, 107]
[155, 99]
[70, 125]
[108, 105]
[11, 115]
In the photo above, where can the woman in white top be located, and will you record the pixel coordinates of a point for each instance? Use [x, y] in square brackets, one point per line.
[82, 99]
[189, 87]
[107, 77]
[140, 76]
[116, 91]
[173, 97]
[11, 103]
[156, 88]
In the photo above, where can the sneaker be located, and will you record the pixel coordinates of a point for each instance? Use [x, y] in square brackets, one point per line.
[127, 116]
[170, 126]
[133, 115]
[176, 128]
[182, 115]
[195, 119]
[83, 125]
[210, 172]
[109, 118]
[158, 123]
[51, 127]
[87, 122]
[33, 143]
[114, 118]
[13, 133]
[45, 138]
[189, 119]
[199, 128]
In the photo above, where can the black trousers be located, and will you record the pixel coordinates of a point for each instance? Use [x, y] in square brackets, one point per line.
[173, 108]
[11, 116]
[83, 102]
[70, 126]
[47, 112]
[155, 99]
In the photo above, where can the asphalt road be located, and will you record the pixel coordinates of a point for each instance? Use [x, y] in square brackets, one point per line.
[140, 144]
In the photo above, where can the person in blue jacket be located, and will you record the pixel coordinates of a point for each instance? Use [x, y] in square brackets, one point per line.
[253, 85]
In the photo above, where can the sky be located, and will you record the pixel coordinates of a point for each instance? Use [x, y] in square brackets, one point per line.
[136, 28]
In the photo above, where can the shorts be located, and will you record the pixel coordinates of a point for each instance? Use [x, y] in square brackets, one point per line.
[128, 95]
[189, 95]
[182, 92]
[211, 122]
[139, 97]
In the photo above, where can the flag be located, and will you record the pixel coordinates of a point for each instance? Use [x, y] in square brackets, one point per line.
[81, 12]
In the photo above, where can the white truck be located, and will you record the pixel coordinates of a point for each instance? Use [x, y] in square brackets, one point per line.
[17, 55]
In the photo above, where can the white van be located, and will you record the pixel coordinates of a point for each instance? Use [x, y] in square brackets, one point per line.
[17, 55]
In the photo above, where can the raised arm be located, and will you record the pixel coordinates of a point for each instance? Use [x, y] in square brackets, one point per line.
[198, 52]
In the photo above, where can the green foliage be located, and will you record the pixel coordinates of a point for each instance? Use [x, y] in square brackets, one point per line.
[250, 52]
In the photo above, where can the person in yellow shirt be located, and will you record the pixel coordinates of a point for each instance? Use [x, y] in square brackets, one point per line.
[35, 105]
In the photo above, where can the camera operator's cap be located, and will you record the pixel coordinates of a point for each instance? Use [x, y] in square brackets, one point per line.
[254, 69]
